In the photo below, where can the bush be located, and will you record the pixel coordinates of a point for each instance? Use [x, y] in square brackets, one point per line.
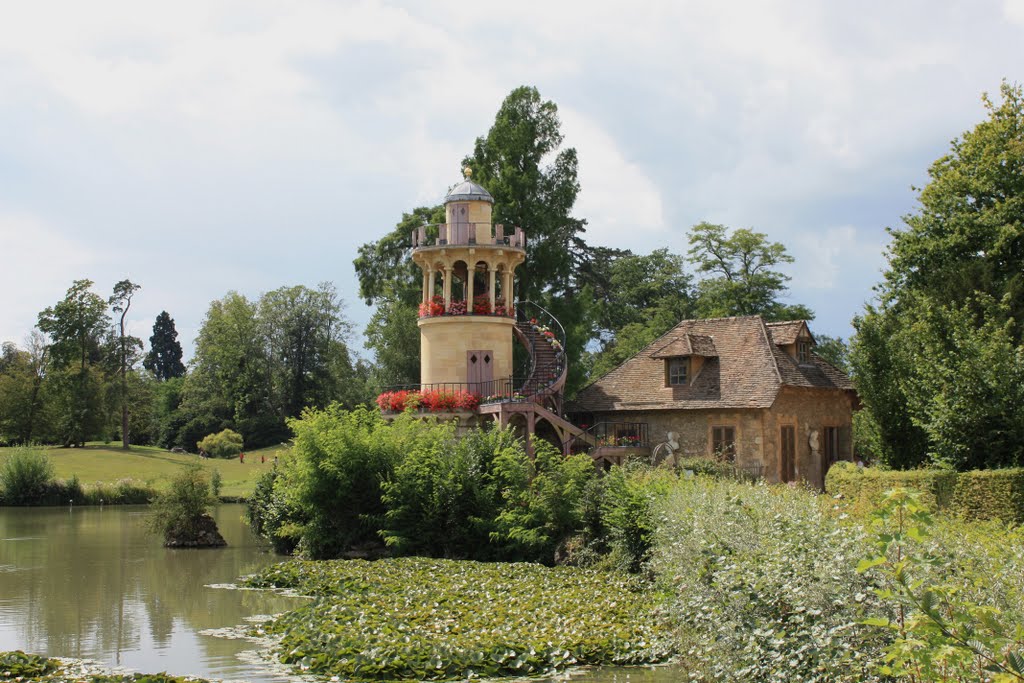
[224, 444]
[762, 585]
[178, 512]
[26, 477]
[442, 498]
[631, 494]
[980, 494]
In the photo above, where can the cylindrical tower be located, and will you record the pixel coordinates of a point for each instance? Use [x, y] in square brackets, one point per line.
[466, 315]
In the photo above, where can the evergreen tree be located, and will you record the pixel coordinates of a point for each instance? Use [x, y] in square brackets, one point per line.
[164, 357]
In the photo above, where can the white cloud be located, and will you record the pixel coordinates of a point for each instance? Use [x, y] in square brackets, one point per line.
[39, 264]
[1014, 11]
[619, 198]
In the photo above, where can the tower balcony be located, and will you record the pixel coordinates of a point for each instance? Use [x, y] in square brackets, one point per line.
[443, 235]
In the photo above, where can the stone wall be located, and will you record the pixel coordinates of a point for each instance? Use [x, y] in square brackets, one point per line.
[809, 410]
[445, 341]
[693, 430]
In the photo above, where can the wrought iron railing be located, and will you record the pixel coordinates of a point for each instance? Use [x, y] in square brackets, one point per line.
[467, 234]
[610, 435]
[546, 330]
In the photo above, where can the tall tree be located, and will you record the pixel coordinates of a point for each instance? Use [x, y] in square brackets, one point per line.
[164, 357]
[741, 274]
[645, 296]
[127, 348]
[951, 297]
[534, 184]
[75, 326]
[389, 280]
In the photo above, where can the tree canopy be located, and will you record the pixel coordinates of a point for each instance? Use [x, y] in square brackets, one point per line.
[164, 357]
[936, 359]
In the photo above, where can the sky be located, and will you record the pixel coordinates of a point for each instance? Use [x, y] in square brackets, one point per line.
[202, 147]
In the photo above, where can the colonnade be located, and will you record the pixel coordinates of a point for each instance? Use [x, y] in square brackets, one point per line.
[495, 271]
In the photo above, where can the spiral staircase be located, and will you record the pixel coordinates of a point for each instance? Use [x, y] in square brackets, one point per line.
[538, 397]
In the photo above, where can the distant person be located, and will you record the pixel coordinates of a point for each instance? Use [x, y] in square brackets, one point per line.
[241, 458]
[263, 458]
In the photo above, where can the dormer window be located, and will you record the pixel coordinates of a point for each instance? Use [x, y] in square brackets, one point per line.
[677, 371]
[803, 352]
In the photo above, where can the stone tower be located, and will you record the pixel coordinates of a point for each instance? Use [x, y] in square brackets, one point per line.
[467, 318]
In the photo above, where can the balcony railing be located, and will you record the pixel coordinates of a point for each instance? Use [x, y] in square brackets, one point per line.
[611, 435]
[450, 396]
[467, 234]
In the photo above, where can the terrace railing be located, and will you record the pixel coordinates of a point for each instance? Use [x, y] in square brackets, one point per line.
[467, 234]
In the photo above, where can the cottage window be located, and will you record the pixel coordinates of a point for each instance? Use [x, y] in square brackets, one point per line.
[723, 443]
[677, 371]
[830, 447]
[803, 352]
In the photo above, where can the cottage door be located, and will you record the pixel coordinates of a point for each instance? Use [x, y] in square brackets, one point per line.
[787, 453]
[480, 371]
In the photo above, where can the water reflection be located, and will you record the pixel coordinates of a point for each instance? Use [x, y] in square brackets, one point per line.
[91, 583]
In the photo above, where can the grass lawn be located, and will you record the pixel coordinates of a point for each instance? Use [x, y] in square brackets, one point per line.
[108, 463]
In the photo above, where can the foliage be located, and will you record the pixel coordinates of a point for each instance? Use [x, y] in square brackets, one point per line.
[953, 287]
[835, 350]
[178, 511]
[631, 494]
[261, 362]
[331, 484]
[394, 338]
[26, 477]
[76, 326]
[17, 665]
[223, 444]
[443, 497]
[761, 584]
[742, 279]
[25, 397]
[540, 500]
[940, 634]
[426, 619]
[128, 348]
[164, 357]
[980, 494]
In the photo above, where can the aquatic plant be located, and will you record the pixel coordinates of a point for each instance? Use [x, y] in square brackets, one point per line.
[424, 619]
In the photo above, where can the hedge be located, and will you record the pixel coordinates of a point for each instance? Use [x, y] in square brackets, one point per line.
[980, 494]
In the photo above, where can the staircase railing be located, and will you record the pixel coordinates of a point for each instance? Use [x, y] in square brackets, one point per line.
[610, 435]
[547, 330]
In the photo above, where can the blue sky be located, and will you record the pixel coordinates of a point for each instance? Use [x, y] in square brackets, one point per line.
[199, 147]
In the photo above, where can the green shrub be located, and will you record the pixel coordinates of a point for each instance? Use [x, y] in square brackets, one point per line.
[541, 507]
[631, 493]
[223, 444]
[442, 498]
[980, 494]
[330, 484]
[761, 583]
[271, 517]
[26, 477]
[178, 511]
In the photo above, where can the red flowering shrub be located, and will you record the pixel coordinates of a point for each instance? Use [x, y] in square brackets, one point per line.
[467, 400]
[434, 307]
[447, 400]
[482, 304]
[398, 401]
[457, 308]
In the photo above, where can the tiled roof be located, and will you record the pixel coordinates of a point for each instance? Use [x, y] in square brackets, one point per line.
[687, 345]
[785, 332]
[746, 369]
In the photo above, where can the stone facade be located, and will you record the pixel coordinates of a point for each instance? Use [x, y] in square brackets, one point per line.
[445, 343]
[760, 379]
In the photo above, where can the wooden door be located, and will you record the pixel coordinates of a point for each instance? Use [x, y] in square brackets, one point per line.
[480, 371]
[787, 453]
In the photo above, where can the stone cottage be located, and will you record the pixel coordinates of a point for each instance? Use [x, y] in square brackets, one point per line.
[737, 389]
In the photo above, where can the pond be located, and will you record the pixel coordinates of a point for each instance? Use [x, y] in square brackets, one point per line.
[91, 583]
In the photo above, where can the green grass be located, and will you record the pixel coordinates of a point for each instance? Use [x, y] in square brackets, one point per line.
[108, 463]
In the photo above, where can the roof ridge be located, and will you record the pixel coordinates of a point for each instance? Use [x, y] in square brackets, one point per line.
[769, 344]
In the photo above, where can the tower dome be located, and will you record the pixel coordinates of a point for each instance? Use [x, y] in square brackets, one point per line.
[467, 190]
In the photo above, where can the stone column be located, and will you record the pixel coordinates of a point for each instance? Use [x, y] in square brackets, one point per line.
[506, 288]
[447, 287]
[470, 273]
[490, 282]
[432, 284]
[426, 285]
